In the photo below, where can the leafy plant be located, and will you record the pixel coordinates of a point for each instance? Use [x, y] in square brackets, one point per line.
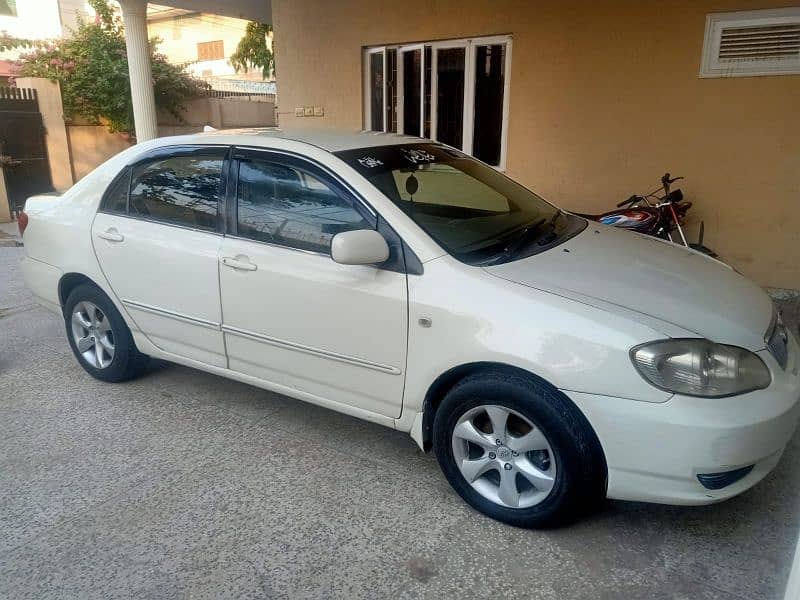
[92, 69]
[9, 42]
[252, 51]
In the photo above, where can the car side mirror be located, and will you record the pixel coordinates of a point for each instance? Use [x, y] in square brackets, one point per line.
[359, 247]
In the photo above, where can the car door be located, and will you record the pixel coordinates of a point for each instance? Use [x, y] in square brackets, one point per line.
[157, 237]
[291, 315]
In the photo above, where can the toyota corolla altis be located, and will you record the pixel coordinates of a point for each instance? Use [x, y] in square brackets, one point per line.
[549, 362]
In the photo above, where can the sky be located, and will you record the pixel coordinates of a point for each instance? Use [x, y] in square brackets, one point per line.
[35, 19]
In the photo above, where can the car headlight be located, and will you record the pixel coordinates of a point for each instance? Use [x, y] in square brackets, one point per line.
[698, 367]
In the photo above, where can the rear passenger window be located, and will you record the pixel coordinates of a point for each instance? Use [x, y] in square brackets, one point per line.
[180, 190]
[292, 206]
[116, 198]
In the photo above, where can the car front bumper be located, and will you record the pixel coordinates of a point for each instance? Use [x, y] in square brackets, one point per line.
[655, 452]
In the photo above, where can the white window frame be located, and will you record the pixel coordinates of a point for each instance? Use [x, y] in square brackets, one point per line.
[367, 86]
[710, 66]
[470, 51]
[401, 88]
[468, 97]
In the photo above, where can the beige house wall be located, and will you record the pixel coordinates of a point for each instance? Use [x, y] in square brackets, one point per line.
[91, 145]
[605, 97]
[5, 205]
[224, 113]
[48, 94]
[180, 35]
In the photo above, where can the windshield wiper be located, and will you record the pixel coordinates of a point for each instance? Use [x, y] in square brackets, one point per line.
[551, 235]
[527, 235]
[521, 239]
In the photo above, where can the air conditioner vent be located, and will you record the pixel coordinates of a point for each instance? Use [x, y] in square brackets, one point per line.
[761, 42]
[757, 43]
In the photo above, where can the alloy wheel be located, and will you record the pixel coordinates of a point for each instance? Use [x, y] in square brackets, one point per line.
[92, 334]
[504, 456]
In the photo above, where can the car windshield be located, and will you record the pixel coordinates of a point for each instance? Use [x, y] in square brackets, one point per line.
[474, 212]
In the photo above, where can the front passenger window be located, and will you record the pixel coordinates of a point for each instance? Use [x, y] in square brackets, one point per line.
[291, 206]
[179, 190]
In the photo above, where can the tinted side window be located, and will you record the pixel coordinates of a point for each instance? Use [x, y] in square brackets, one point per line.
[116, 198]
[181, 190]
[291, 206]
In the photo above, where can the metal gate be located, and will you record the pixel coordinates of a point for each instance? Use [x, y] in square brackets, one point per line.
[23, 154]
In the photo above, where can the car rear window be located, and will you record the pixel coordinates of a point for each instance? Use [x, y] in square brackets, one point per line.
[179, 190]
[116, 198]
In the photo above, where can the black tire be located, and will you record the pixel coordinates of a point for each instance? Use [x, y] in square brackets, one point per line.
[127, 361]
[580, 481]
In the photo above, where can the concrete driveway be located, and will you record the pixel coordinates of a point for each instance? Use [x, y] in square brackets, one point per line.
[183, 484]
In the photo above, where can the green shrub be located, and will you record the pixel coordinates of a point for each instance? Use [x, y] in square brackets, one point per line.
[92, 68]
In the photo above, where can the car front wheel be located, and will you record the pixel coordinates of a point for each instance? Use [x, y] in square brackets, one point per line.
[519, 451]
[99, 337]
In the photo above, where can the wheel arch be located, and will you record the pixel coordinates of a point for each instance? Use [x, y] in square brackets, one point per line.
[69, 281]
[445, 382]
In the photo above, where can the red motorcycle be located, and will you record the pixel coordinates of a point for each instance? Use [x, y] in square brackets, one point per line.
[659, 216]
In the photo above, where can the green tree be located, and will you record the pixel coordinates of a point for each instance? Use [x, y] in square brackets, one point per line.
[252, 50]
[92, 68]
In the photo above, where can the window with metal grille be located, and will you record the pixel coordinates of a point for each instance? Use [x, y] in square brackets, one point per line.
[210, 50]
[748, 43]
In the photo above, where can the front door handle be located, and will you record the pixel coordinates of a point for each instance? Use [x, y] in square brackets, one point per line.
[111, 234]
[240, 263]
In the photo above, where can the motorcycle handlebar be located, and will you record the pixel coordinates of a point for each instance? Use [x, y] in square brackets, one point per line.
[630, 200]
[665, 180]
[670, 196]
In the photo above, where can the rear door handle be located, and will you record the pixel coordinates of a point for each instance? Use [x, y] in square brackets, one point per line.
[240, 263]
[111, 234]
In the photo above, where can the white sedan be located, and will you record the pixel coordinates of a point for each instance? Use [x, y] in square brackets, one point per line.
[548, 361]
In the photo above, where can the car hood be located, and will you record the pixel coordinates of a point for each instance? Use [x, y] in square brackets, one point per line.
[673, 289]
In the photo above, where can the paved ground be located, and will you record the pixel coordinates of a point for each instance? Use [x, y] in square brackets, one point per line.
[182, 484]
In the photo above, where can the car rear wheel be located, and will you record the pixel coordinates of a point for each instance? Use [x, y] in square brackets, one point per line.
[519, 451]
[99, 337]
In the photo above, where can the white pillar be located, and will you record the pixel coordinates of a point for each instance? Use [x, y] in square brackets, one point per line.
[134, 14]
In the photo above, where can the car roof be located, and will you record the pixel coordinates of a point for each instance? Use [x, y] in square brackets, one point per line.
[330, 140]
